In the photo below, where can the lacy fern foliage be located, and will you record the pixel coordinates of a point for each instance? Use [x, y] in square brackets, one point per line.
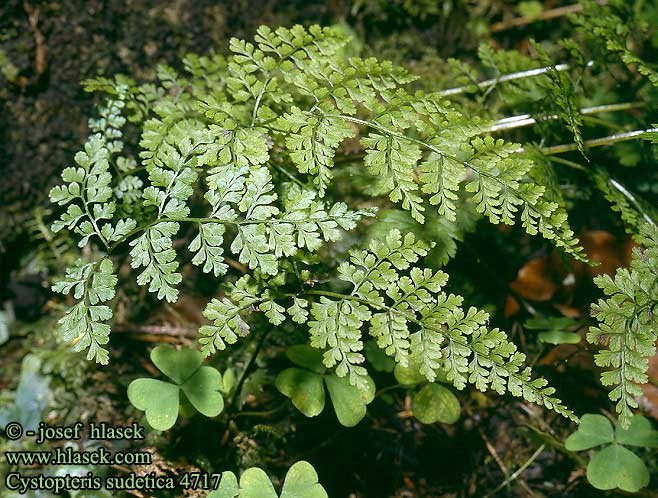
[241, 152]
[404, 308]
[627, 326]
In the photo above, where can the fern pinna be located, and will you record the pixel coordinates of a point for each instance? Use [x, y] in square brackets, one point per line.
[627, 327]
[256, 136]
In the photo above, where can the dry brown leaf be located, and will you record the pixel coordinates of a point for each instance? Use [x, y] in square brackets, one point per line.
[602, 247]
[567, 310]
[570, 354]
[534, 281]
[512, 307]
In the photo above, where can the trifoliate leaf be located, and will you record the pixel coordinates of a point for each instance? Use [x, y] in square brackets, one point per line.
[594, 430]
[158, 399]
[616, 467]
[254, 483]
[202, 386]
[307, 357]
[228, 487]
[178, 365]
[409, 375]
[302, 482]
[304, 388]
[202, 389]
[639, 433]
[349, 401]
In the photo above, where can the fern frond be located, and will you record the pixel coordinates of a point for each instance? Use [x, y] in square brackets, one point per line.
[627, 327]
[633, 211]
[83, 324]
[445, 339]
[236, 130]
[409, 315]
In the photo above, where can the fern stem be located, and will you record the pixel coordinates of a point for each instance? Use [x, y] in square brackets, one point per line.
[208, 220]
[545, 15]
[629, 195]
[566, 162]
[249, 366]
[508, 77]
[596, 142]
[434, 149]
[522, 120]
[97, 230]
[614, 183]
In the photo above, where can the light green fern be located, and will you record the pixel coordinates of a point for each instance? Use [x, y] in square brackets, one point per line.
[403, 306]
[627, 326]
[242, 151]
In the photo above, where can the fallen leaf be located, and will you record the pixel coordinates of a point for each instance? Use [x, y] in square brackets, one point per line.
[512, 307]
[567, 310]
[604, 248]
[534, 280]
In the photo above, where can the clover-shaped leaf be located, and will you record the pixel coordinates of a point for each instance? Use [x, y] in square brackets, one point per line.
[304, 389]
[617, 467]
[300, 482]
[614, 466]
[594, 430]
[254, 483]
[307, 357]
[435, 403]
[639, 433]
[228, 487]
[160, 400]
[304, 386]
[410, 375]
[178, 365]
[202, 390]
[378, 358]
[349, 401]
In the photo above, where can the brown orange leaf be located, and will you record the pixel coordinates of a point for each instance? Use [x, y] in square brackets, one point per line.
[534, 281]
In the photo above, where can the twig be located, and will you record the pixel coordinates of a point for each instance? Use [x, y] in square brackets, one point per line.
[155, 339]
[508, 77]
[543, 16]
[519, 471]
[597, 142]
[494, 453]
[500, 463]
[527, 120]
[237, 266]
[248, 367]
[386, 389]
[41, 56]
[264, 414]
